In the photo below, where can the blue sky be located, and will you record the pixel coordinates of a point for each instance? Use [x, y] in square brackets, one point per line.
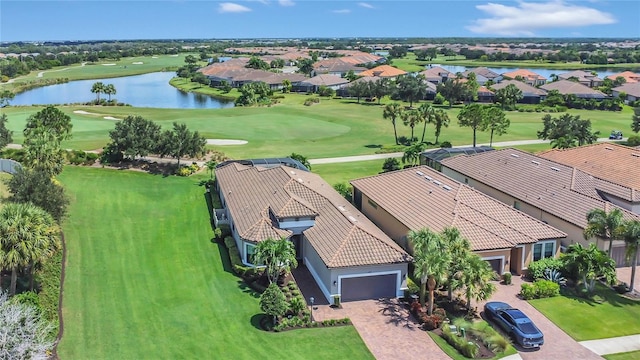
[26, 20]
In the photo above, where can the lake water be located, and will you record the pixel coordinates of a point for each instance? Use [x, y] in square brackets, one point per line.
[148, 90]
[602, 73]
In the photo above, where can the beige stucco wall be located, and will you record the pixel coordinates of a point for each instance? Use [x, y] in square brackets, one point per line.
[387, 223]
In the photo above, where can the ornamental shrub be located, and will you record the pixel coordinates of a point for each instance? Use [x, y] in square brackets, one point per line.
[506, 277]
[536, 268]
[540, 289]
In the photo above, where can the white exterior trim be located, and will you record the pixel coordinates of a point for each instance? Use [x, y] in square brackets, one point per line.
[324, 290]
[523, 247]
[501, 257]
[543, 243]
[398, 279]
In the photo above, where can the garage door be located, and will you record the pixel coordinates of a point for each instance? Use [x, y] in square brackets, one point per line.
[496, 265]
[368, 287]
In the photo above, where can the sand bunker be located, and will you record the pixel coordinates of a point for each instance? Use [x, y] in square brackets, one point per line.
[154, 57]
[225, 142]
[137, 63]
[174, 55]
[108, 64]
[82, 112]
[110, 118]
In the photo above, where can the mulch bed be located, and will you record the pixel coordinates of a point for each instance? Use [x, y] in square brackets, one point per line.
[483, 350]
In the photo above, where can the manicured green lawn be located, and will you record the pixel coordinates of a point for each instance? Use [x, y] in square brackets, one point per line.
[345, 172]
[633, 355]
[144, 281]
[585, 319]
[331, 128]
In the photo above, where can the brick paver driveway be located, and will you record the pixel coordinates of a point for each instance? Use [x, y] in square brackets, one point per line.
[557, 344]
[390, 332]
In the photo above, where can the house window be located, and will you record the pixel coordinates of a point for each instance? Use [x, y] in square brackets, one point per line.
[516, 204]
[544, 249]
[466, 181]
[372, 203]
[250, 250]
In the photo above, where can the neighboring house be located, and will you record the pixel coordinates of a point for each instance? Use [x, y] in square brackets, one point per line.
[628, 76]
[437, 75]
[527, 76]
[585, 78]
[567, 87]
[615, 170]
[530, 94]
[485, 95]
[480, 79]
[385, 71]
[556, 194]
[487, 74]
[433, 157]
[631, 89]
[420, 197]
[311, 85]
[336, 66]
[347, 255]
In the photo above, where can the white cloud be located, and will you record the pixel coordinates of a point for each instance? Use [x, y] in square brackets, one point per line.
[528, 17]
[227, 7]
[286, 3]
[366, 5]
[342, 11]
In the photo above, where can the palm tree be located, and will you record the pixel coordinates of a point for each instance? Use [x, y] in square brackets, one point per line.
[411, 156]
[97, 88]
[110, 89]
[476, 278]
[440, 119]
[631, 236]
[459, 248]
[393, 111]
[427, 113]
[277, 256]
[211, 166]
[28, 235]
[496, 122]
[601, 224]
[431, 259]
[589, 264]
[411, 118]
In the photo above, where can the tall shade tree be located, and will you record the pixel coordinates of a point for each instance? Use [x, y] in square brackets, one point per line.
[109, 90]
[28, 235]
[460, 249]
[53, 121]
[134, 136]
[379, 88]
[38, 188]
[472, 116]
[42, 152]
[411, 118]
[631, 237]
[601, 224]
[568, 126]
[452, 90]
[427, 113]
[358, 89]
[564, 142]
[495, 121]
[589, 264]
[472, 87]
[440, 119]
[508, 96]
[411, 88]
[277, 256]
[635, 120]
[5, 97]
[393, 111]
[180, 141]
[476, 277]
[97, 88]
[6, 135]
[431, 259]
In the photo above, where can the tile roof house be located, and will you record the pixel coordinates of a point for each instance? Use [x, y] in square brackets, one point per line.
[312, 84]
[631, 89]
[554, 193]
[527, 76]
[383, 71]
[336, 66]
[487, 74]
[628, 76]
[615, 170]
[567, 87]
[420, 197]
[437, 75]
[583, 77]
[530, 94]
[347, 255]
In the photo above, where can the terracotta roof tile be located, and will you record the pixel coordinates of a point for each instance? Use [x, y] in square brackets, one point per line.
[629, 76]
[615, 168]
[552, 187]
[525, 74]
[422, 197]
[383, 71]
[342, 236]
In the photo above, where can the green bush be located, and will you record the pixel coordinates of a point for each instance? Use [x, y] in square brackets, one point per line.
[79, 157]
[311, 101]
[633, 140]
[506, 277]
[29, 298]
[536, 268]
[540, 289]
[297, 304]
[439, 99]
[48, 280]
[466, 348]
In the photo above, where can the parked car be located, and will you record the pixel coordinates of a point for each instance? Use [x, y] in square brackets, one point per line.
[615, 135]
[515, 323]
